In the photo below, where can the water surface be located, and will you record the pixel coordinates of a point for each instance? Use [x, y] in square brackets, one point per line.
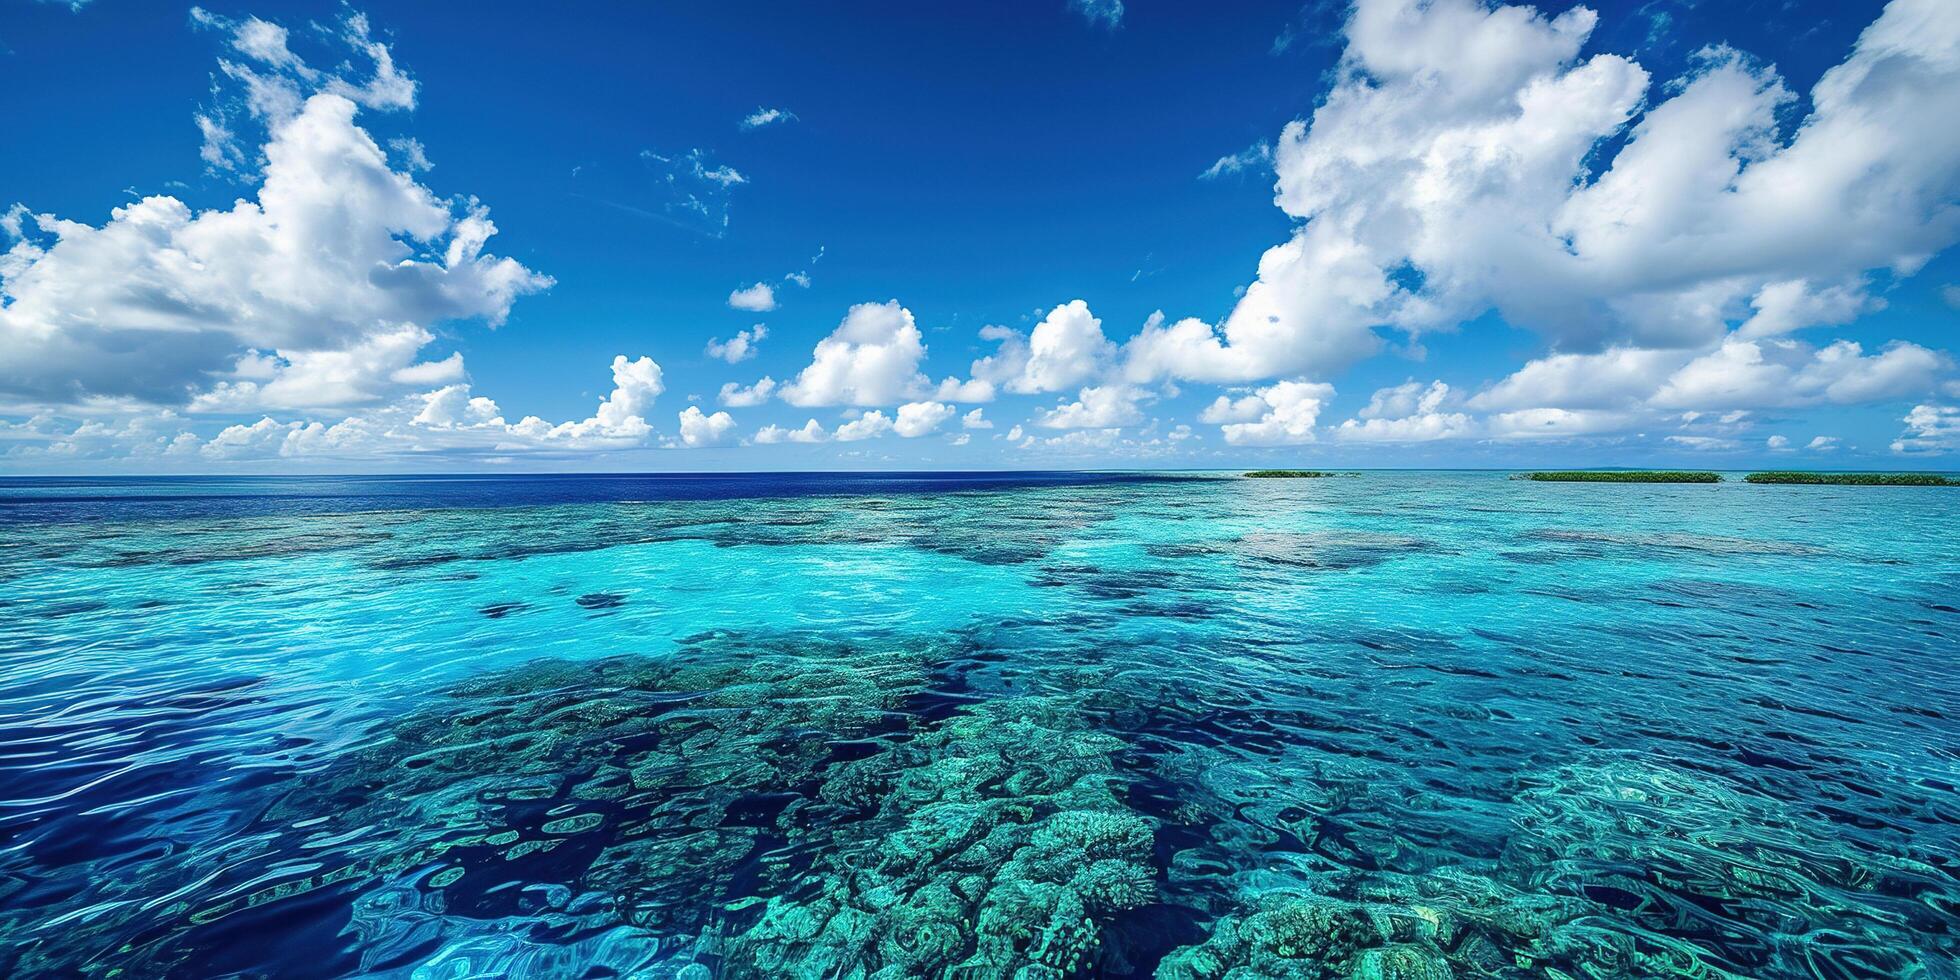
[1393, 725]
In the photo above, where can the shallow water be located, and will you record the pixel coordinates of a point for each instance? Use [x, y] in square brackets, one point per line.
[1401, 725]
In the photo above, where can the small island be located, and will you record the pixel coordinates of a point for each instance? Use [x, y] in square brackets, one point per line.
[1853, 479]
[1624, 476]
[1287, 474]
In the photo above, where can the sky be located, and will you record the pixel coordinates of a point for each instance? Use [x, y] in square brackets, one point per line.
[318, 237]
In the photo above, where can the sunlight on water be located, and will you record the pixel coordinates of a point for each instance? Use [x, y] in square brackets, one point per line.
[1389, 726]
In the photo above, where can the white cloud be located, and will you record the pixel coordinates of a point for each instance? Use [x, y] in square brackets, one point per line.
[1258, 156]
[1559, 423]
[1624, 388]
[1766, 373]
[772, 434]
[621, 416]
[766, 117]
[1405, 399]
[262, 438]
[452, 419]
[1107, 14]
[414, 156]
[1100, 407]
[973, 390]
[1822, 444]
[338, 255]
[1583, 381]
[1778, 444]
[362, 373]
[1065, 349]
[275, 82]
[975, 420]
[453, 405]
[1408, 412]
[147, 436]
[740, 347]
[1225, 408]
[1791, 305]
[1291, 410]
[759, 298]
[872, 358]
[870, 425]
[1929, 429]
[700, 430]
[917, 419]
[736, 396]
[1447, 173]
[687, 189]
[1709, 444]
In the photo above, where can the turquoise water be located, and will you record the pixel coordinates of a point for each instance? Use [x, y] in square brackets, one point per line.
[1395, 725]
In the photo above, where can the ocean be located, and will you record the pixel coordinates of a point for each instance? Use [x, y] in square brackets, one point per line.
[1407, 725]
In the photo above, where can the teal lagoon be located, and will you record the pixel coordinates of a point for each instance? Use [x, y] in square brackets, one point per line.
[1399, 725]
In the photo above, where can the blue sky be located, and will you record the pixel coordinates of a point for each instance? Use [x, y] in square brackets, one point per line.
[1609, 234]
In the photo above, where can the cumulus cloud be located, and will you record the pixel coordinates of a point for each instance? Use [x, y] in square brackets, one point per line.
[1224, 408]
[361, 373]
[1408, 412]
[971, 390]
[1583, 381]
[453, 406]
[148, 436]
[454, 420]
[1784, 307]
[1098, 407]
[917, 419]
[740, 347]
[1064, 350]
[1625, 388]
[872, 358]
[870, 425]
[810, 432]
[1559, 423]
[1822, 444]
[621, 415]
[1451, 170]
[975, 419]
[1288, 413]
[338, 255]
[759, 298]
[1753, 374]
[700, 430]
[1929, 429]
[735, 396]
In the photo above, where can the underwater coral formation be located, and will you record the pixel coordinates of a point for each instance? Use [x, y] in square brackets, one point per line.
[994, 845]
[899, 806]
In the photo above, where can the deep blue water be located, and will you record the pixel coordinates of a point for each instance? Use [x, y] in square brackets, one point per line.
[1410, 725]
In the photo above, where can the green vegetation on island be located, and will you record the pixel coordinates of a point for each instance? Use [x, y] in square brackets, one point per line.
[1853, 479]
[1287, 474]
[1623, 476]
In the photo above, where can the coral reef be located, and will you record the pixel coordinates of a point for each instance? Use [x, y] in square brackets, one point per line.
[790, 806]
[994, 846]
